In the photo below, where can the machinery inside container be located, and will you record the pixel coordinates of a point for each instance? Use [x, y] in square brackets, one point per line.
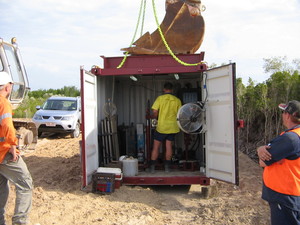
[124, 106]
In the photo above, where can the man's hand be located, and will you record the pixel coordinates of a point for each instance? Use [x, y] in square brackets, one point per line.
[263, 153]
[262, 163]
[13, 151]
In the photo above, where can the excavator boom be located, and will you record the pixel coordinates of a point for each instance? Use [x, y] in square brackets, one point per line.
[182, 27]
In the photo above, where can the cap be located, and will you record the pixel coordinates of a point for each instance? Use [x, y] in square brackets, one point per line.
[292, 107]
[5, 78]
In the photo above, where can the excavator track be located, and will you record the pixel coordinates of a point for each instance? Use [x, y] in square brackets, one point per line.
[26, 132]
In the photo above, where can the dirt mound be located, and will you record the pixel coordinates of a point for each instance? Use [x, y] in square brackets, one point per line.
[57, 199]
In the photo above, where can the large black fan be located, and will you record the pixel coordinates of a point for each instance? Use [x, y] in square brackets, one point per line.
[190, 118]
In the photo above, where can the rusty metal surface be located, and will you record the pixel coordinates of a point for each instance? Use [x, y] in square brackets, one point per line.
[150, 64]
[183, 28]
[163, 178]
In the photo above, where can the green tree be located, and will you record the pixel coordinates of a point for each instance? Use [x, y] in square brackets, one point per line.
[258, 103]
[35, 98]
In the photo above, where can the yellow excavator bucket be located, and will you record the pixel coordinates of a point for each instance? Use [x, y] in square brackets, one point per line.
[182, 27]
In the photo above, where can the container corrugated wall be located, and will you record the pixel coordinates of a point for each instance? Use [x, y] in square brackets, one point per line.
[131, 98]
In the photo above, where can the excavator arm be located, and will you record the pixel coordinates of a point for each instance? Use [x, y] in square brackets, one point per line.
[182, 27]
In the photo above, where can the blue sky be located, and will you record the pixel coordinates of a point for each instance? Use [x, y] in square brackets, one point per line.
[57, 37]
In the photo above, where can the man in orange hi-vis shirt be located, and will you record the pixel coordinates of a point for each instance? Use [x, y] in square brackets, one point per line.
[12, 166]
[281, 161]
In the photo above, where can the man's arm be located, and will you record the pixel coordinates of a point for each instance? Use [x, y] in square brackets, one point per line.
[263, 154]
[154, 114]
[282, 147]
[14, 152]
[8, 129]
[278, 149]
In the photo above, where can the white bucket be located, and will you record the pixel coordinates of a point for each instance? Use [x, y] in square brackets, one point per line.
[130, 167]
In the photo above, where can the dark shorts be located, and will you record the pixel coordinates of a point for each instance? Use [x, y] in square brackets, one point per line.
[161, 137]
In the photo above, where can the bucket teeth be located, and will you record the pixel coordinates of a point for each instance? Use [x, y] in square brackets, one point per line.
[182, 31]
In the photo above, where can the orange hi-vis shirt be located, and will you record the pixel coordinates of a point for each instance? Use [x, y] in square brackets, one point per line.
[7, 129]
[284, 175]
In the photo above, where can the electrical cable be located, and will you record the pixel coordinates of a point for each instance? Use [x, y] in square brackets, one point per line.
[143, 5]
[166, 44]
[206, 90]
[135, 32]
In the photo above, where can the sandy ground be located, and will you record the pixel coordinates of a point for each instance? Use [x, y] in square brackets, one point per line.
[57, 198]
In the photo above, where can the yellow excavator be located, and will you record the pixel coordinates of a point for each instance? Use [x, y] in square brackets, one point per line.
[182, 28]
[11, 63]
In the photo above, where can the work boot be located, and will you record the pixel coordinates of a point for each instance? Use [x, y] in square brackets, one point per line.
[152, 166]
[167, 165]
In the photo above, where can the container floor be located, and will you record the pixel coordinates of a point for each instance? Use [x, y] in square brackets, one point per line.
[160, 177]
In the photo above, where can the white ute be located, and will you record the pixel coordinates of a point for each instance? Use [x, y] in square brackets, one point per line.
[59, 115]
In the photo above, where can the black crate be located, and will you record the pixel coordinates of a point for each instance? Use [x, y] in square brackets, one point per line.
[115, 164]
[103, 183]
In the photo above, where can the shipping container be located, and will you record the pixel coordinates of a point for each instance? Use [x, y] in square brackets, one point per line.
[116, 104]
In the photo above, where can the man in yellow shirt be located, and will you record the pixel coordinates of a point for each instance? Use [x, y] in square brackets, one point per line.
[12, 166]
[165, 109]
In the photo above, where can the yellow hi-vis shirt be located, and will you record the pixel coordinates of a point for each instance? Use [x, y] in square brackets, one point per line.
[167, 106]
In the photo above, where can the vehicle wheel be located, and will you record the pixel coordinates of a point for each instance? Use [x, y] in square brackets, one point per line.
[76, 132]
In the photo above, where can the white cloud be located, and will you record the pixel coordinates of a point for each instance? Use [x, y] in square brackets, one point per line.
[248, 31]
[56, 37]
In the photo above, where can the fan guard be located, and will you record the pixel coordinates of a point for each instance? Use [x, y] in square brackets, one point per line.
[190, 117]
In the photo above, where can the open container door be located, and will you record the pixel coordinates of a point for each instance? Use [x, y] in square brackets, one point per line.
[221, 122]
[89, 147]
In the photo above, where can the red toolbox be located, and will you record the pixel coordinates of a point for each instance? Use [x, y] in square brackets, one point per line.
[103, 183]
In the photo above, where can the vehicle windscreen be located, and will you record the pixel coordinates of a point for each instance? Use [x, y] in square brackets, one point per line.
[18, 90]
[66, 105]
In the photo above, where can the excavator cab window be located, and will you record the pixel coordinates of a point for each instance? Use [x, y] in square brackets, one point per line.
[15, 68]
